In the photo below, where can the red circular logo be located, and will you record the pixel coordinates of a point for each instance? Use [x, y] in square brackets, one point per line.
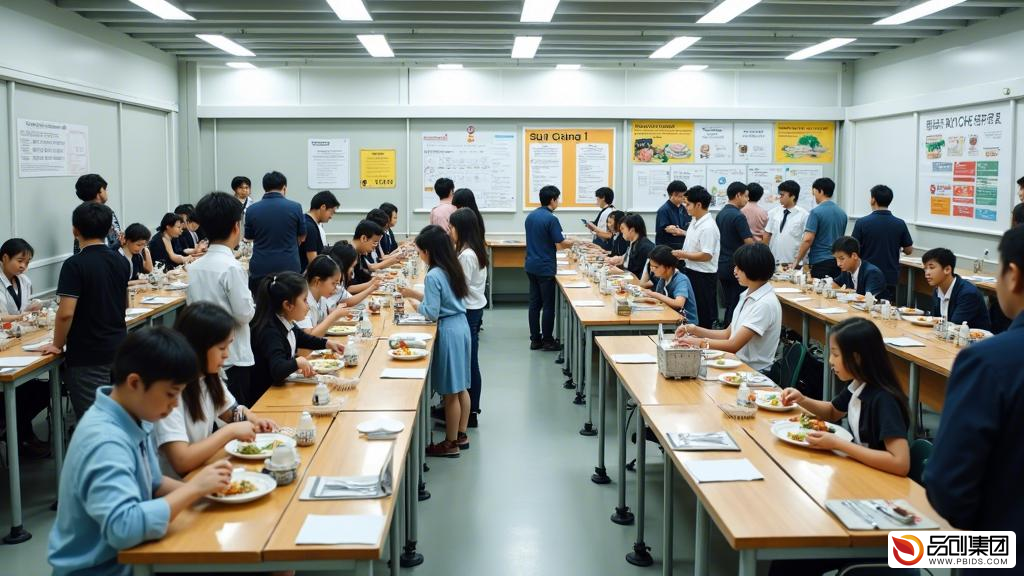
[904, 545]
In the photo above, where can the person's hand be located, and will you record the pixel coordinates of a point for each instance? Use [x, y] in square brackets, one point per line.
[304, 367]
[242, 431]
[649, 293]
[35, 306]
[822, 440]
[672, 229]
[678, 254]
[213, 479]
[336, 346]
[262, 424]
[407, 292]
[684, 330]
[792, 396]
[591, 226]
[50, 350]
[689, 341]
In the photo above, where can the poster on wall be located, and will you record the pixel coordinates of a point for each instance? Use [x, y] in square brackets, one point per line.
[484, 162]
[592, 162]
[377, 168]
[546, 168]
[718, 180]
[52, 149]
[663, 141]
[713, 142]
[805, 142]
[769, 176]
[650, 182]
[328, 163]
[963, 159]
[752, 142]
[576, 160]
[805, 177]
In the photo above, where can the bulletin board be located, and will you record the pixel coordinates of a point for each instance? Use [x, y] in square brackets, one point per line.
[576, 160]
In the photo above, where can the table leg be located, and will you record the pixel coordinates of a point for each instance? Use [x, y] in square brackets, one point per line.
[18, 533]
[581, 389]
[700, 541]
[622, 514]
[395, 533]
[910, 285]
[602, 371]
[570, 349]
[826, 378]
[559, 329]
[666, 538]
[574, 354]
[424, 439]
[914, 398]
[413, 469]
[56, 421]
[600, 475]
[142, 570]
[641, 554]
[748, 563]
[805, 327]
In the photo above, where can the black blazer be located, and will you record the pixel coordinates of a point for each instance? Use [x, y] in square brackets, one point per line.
[638, 256]
[273, 355]
[966, 304]
[388, 243]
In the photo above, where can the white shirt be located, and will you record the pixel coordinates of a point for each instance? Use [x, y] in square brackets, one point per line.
[218, 278]
[602, 218]
[943, 298]
[317, 312]
[7, 305]
[323, 233]
[786, 244]
[853, 410]
[331, 302]
[853, 277]
[703, 236]
[177, 427]
[476, 277]
[761, 312]
[288, 325]
[128, 257]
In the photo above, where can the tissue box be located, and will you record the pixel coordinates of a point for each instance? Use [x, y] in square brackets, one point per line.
[676, 362]
[622, 307]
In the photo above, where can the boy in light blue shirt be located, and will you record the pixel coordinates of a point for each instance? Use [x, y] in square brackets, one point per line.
[112, 494]
[825, 224]
[671, 286]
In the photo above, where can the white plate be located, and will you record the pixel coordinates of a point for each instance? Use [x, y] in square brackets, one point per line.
[261, 440]
[762, 401]
[780, 430]
[410, 336]
[416, 354]
[927, 321]
[341, 330]
[907, 311]
[724, 379]
[712, 354]
[388, 425]
[176, 286]
[725, 364]
[324, 366]
[984, 333]
[264, 485]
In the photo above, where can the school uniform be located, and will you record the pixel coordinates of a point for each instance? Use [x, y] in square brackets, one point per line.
[703, 236]
[601, 222]
[106, 497]
[362, 273]
[635, 259]
[331, 302]
[962, 303]
[543, 233]
[733, 230]
[475, 302]
[187, 241]
[450, 362]
[873, 414]
[882, 238]
[158, 252]
[388, 243]
[670, 214]
[866, 278]
[679, 285]
[314, 241]
[136, 261]
[180, 426]
[274, 348]
[317, 313]
[828, 223]
[786, 226]
[619, 245]
[275, 225]
[761, 312]
[15, 296]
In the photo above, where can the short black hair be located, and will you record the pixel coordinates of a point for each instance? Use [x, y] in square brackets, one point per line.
[444, 187]
[676, 187]
[547, 194]
[756, 192]
[699, 195]
[755, 260]
[217, 213]
[324, 198]
[826, 185]
[1011, 248]
[663, 255]
[636, 223]
[367, 228]
[155, 353]
[274, 180]
[941, 256]
[389, 208]
[237, 182]
[791, 187]
[186, 210]
[1017, 216]
[135, 232]
[93, 220]
[14, 246]
[846, 245]
[882, 195]
[379, 216]
[1020, 181]
[735, 189]
[618, 216]
[88, 186]
[605, 193]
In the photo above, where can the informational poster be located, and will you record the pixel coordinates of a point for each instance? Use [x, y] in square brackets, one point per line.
[752, 142]
[805, 177]
[964, 163]
[377, 168]
[713, 142]
[48, 148]
[328, 162]
[805, 142]
[484, 162]
[769, 176]
[576, 160]
[719, 178]
[663, 141]
[650, 182]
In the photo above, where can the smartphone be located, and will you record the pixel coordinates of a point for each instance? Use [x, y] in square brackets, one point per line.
[584, 220]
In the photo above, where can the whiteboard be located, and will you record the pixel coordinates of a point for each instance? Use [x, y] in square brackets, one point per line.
[884, 153]
[484, 162]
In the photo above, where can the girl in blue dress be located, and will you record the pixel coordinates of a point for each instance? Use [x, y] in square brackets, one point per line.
[444, 288]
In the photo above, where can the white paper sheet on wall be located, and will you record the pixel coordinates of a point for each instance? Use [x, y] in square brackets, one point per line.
[484, 162]
[328, 163]
[47, 148]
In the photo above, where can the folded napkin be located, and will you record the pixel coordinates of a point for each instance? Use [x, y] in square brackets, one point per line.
[330, 530]
[702, 441]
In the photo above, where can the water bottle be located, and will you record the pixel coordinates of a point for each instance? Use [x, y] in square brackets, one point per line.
[365, 327]
[305, 432]
[351, 352]
[743, 394]
[964, 336]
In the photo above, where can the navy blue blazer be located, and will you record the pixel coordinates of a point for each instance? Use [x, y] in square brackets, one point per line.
[965, 305]
[869, 279]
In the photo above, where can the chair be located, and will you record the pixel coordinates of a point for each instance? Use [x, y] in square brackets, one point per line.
[920, 452]
[786, 370]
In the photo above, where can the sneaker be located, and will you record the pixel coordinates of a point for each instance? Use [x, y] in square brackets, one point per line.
[463, 441]
[472, 420]
[536, 344]
[443, 449]
[552, 346]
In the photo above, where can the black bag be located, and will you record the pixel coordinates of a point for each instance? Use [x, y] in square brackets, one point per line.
[811, 377]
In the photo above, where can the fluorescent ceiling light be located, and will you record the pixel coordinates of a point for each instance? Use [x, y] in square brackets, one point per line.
[726, 11]
[242, 65]
[350, 10]
[675, 46]
[538, 10]
[376, 45]
[225, 44]
[162, 9]
[567, 67]
[693, 67]
[449, 66]
[919, 11]
[819, 48]
[525, 46]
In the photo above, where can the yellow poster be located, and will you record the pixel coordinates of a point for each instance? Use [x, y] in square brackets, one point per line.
[577, 161]
[805, 142]
[376, 168]
[662, 141]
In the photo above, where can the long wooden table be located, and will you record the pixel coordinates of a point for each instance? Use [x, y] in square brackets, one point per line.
[912, 276]
[510, 253]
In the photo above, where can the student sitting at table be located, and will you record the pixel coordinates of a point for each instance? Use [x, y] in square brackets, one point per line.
[365, 239]
[321, 210]
[186, 437]
[188, 243]
[348, 292]
[955, 298]
[161, 245]
[280, 303]
[858, 275]
[671, 286]
[377, 259]
[112, 494]
[134, 249]
[618, 244]
[323, 276]
[753, 333]
[634, 230]
[387, 241]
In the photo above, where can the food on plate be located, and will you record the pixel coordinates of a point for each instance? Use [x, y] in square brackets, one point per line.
[733, 378]
[909, 310]
[254, 449]
[772, 399]
[341, 330]
[724, 362]
[396, 343]
[979, 334]
[323, 365]
[927, 319]
[809, 423]
[403, 349]
[799, 436]
[325, 354]
[240, 487]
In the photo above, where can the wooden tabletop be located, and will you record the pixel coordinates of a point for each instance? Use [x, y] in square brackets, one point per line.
[643, 381]
[915, 262]
[605, 315]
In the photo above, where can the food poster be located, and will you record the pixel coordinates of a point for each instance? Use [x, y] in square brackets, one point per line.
[377, 168]
[576, 160]
[805, 142]
[713, 143]
[663, 141]
[719, 178]
[769, 176]
[752, 143]
[964, 163]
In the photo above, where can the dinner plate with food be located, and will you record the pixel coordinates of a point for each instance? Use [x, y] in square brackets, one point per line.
[794, 430]
[325, 354]
[731, 378]
[712, 354]
[326, 365]
[341, 330]
[927, 321]
[404, 352]
[725, 363]
[979, 334]
[771, 400]
[909, 311]
[245, 486]
[259, 449]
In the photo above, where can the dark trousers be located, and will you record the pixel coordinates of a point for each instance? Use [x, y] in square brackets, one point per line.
[238, 384]
[731, 291]
[33, 397]
[542, 296]
[825, 268]
[705, 290]
[476, 319]
[82, 382]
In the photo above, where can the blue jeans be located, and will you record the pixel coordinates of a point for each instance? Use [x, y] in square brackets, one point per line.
[542, 296]
[476, 319]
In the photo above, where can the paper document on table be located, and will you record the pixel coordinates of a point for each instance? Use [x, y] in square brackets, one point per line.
[903, 342]
[17, 361]
[588, 303]
[634, 359]
[879, 515]
[569, 272]
[159, 300]
[980, 278]
[786, 290]
[701, 441]
[404, 373]
[830, 310]
[738, 470]
[576, 285]
[337, 529]
[37, 346]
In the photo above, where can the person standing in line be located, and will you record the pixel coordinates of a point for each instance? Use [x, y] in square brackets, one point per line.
[599, 225]
[785, 229]
[276, 227]
[672, 220]
[242, 187]
[882, 237]
[93, 188]
[734, 231]
[444, 187]
[464, 198]
[321, 210]
[757, 217]
[825, 225]
[700, 250]
[543, 238]
[469, 245]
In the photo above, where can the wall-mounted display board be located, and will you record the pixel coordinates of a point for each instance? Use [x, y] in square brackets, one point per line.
[964, 167]
[52, 149]
[805, 142]
[377, 168]
[328, 163]
[484, 162]
[576, 160]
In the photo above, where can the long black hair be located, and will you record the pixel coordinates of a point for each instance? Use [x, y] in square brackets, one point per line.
[273, 292]
[345, 255]
[864, 355]
[169, 219]
[321, 268]
[204, 325]
[464, 198]
[435, 242]
[465, 224]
